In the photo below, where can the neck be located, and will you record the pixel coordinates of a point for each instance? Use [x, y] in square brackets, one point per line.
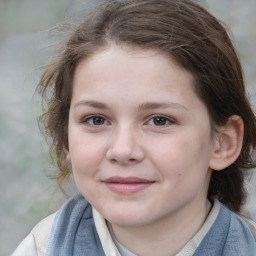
[167, 236]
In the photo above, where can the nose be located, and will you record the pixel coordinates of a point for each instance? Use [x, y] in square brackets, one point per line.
[125, 147]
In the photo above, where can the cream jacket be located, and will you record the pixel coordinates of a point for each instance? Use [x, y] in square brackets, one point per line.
[35, 243]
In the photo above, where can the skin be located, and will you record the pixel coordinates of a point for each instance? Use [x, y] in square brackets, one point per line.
[134, 113]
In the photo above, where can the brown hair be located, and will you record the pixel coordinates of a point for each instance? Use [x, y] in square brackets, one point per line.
[182, 30]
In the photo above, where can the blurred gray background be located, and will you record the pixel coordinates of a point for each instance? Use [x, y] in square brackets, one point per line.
[27, 195]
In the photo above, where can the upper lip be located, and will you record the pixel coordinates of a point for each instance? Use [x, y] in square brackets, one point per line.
[126, 180]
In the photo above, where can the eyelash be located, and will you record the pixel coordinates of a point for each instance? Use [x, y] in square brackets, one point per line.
[166, 120]
[90, 118]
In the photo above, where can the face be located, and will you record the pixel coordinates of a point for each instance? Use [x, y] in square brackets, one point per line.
[139, 137]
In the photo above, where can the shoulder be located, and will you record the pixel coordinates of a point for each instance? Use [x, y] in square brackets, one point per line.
[229, 235]
[241, 223]
[238, 225]
[251, 224]
[246, 226]
[41, 233]
[35, 243]
[26, 248]
[241, 236]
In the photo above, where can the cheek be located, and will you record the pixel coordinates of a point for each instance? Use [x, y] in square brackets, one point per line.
[86, 156]
[183, 155]
[85, 165]
[170, 154]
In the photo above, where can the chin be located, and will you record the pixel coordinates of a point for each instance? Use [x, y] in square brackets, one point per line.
[129, 219]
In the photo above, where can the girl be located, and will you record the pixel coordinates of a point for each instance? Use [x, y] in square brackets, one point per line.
[147, 110]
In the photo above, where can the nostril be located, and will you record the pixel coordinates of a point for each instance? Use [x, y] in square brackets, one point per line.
[113, 160]
[124, 155]
[123, 161]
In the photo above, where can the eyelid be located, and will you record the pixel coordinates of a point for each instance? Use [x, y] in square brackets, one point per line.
[168, 118]
[88, 117]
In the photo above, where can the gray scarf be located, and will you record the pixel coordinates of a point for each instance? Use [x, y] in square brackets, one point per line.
[74, 232]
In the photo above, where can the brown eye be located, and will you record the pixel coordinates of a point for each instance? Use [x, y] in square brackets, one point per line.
[96, 121]
[159, 120]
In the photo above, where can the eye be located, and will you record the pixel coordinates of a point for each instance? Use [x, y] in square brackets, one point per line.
[160, 121]
[95, 120]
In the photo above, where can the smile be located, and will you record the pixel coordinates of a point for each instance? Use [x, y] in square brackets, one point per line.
[127, 185]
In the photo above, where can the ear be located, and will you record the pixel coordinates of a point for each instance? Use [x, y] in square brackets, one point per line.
[228, 143]
[69, 158]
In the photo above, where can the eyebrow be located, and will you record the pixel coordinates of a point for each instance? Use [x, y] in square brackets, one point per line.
[91, 103]
[142, 107]
[160, 105]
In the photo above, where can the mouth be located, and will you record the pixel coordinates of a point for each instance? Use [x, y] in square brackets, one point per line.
[127, 185]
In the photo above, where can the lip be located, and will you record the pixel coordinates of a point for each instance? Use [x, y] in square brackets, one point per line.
[127, 185]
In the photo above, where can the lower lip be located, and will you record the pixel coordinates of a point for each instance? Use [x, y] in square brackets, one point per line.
[128, 188]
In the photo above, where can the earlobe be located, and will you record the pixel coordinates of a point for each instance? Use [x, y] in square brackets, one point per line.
[228, 143]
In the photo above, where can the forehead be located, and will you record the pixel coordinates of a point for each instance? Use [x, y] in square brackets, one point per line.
[132, 60]
[134, 71]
